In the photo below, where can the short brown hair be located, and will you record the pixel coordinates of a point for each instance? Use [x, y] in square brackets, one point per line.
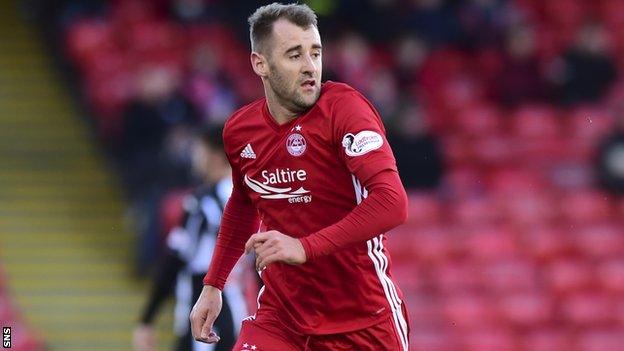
[261, 21]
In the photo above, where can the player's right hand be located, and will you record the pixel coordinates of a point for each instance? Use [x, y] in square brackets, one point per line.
[204, 313]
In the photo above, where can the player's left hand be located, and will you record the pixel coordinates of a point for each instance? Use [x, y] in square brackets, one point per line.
[273, 246]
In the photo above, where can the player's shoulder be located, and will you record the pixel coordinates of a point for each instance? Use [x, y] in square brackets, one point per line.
[238, 125]
[334, 91]
[244, 114]
[336, 94]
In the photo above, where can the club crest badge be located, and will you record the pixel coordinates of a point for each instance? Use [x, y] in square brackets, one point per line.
[296, 144]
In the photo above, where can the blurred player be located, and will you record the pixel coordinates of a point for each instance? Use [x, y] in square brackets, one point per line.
[311, 163]
[189, 249]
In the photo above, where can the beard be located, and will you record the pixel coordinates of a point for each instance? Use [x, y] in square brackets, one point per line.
[292, 98]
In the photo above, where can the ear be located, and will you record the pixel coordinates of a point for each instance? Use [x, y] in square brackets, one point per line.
[259, 64]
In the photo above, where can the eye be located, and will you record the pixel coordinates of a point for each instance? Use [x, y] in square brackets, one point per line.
[316, 55]
[295, 57]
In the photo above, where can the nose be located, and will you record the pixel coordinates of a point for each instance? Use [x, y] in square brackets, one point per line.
[309, 66]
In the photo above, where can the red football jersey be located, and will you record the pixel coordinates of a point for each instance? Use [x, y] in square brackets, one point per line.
[303, 176]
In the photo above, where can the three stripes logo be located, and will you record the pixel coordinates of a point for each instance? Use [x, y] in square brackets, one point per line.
[248, 152]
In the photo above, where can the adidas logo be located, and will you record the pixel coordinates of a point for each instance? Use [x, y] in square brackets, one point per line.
[248, 152]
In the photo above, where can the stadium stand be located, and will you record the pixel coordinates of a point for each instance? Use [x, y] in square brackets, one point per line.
[518, 247]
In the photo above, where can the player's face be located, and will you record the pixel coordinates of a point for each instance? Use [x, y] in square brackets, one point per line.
[295, 65]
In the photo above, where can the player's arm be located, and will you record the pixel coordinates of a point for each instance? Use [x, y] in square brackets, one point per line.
[381, 197]
[384, 208]
[239, 221]
[360, 136]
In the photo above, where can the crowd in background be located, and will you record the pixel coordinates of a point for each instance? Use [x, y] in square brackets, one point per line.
[154, 70]
[506, 119]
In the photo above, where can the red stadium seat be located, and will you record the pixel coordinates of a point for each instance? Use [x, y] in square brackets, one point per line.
[510, 182]
[455, 276]
[457, 149]
[600, 240]
[493, 150]
[155, 36]
[424, 209]
[489, 338]
[490, 243]
[583, 207]
[567, 275]
[432, 339]
[480, 120]
[543, 243]
[103, 63]
[108, 95]
[527, 309]
[409, 277]
[536, 121]
[607, 339]
[565, 12]
[463, 182]
[547, 339]
[611, 275]
[530, 208]
[612, 13]
[586, 309]
[88, 36]
[589, 122]
[510, 275]
[461, 92]
[476, 211]
[468, 311]
[129, 12]
[425, 244]
[424, 310]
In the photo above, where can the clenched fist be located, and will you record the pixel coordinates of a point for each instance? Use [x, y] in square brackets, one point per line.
[273, 246]
[204, 314]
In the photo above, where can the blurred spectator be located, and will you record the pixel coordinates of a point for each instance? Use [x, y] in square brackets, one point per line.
[188, 254]
[521, 78]
[352, 60]
[190, 11]
[434, 20]
[158, 108]
[153, 152]
[482, 22]
[383, 91]
[416, 149]
[208, 87]
[586, 71]
[410, 52]
[610, 159]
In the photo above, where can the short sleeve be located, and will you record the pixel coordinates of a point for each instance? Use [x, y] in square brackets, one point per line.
[361, 137]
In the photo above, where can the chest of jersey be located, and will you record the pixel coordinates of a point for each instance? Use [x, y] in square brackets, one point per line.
[294, 169]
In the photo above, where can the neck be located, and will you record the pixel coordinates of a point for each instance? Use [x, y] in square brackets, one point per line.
[280, 113]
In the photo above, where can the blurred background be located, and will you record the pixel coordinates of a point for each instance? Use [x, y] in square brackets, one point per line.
[506, 118]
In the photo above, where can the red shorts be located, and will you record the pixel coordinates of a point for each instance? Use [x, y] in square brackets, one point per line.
[273, 336]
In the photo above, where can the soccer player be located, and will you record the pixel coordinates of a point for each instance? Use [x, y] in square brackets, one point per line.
[311, 163]
[188, 251]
